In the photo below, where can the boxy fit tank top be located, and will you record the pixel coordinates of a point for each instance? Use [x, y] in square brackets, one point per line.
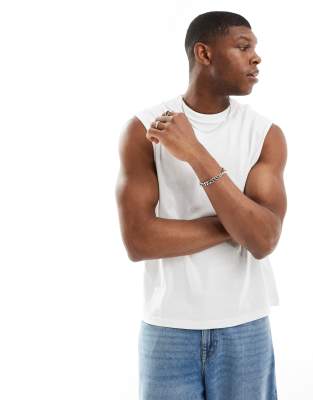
[223, 285]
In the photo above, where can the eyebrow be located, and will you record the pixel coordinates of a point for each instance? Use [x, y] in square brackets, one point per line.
[245, 37]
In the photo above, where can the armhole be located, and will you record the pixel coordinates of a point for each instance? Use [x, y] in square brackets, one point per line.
[146, 123]
[259, 142]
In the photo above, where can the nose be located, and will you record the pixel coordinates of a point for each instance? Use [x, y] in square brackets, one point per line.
[256, 59]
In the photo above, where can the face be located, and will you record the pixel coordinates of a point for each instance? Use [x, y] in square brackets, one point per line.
[233, 57]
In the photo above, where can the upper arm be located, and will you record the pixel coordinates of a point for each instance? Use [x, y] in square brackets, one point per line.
[137, 190]
[265, 183]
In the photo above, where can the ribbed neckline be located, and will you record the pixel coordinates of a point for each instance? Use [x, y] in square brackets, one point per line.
[204, 118]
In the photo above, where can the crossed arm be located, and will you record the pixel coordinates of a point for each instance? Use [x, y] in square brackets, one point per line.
[254, 218]
[146, 236]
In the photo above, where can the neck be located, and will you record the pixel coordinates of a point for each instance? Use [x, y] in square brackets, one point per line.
[199, 98]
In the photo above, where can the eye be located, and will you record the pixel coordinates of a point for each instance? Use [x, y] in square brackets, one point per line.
[244, 48]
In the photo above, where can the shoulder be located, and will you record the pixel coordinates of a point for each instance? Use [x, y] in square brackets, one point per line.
[267, 140]
[255, 123]
[274, 148]
[150, 113]
[259, 118]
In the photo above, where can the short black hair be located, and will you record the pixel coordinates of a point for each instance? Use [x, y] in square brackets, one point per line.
[207, 27]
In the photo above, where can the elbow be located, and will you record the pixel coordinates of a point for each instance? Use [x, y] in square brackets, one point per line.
[266, 249]
[133, 248]
[134, 257]
[260, 255]
[268, 243]
[137, 241]
[133, 253]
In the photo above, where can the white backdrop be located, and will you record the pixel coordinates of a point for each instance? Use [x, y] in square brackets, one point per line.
[72, 73]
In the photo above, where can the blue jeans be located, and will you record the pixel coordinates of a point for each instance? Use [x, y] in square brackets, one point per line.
[233, 363]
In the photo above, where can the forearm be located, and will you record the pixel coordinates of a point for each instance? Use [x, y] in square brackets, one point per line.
[161, 237]
[250, 224]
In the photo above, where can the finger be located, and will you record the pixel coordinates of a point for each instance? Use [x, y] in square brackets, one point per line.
[154, 140]
[164, 118]
[168, 112]
[160, 125]
[153, 133]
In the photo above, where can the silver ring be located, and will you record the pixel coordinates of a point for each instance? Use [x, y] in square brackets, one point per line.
[167, 112]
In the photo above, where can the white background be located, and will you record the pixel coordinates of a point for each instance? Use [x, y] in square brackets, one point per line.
[72, 73]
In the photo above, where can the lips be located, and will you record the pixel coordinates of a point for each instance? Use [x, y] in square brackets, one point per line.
[253, 73]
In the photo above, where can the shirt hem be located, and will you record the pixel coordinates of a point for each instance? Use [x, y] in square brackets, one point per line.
[210, 324]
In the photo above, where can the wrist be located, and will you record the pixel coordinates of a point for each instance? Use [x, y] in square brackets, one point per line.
[203, 164]
[198, 152]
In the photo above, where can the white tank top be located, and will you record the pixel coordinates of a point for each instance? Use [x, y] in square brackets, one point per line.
[223, 285]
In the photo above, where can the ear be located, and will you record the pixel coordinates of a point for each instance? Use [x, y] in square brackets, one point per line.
[202, 53]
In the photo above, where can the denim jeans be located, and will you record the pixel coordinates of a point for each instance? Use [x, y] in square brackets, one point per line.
[233, 363]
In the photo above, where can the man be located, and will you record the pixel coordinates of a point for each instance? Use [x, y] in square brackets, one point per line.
[201, 200]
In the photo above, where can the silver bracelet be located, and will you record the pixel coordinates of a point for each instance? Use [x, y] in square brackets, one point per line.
[214, 178]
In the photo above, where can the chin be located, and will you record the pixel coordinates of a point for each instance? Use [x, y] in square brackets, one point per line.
[242, 91]
[248, 91]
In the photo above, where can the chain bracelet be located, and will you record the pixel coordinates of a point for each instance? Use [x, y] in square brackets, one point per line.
[214, 178]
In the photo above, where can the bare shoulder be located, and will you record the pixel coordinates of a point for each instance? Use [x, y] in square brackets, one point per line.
[134, 148]
[274, 148]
